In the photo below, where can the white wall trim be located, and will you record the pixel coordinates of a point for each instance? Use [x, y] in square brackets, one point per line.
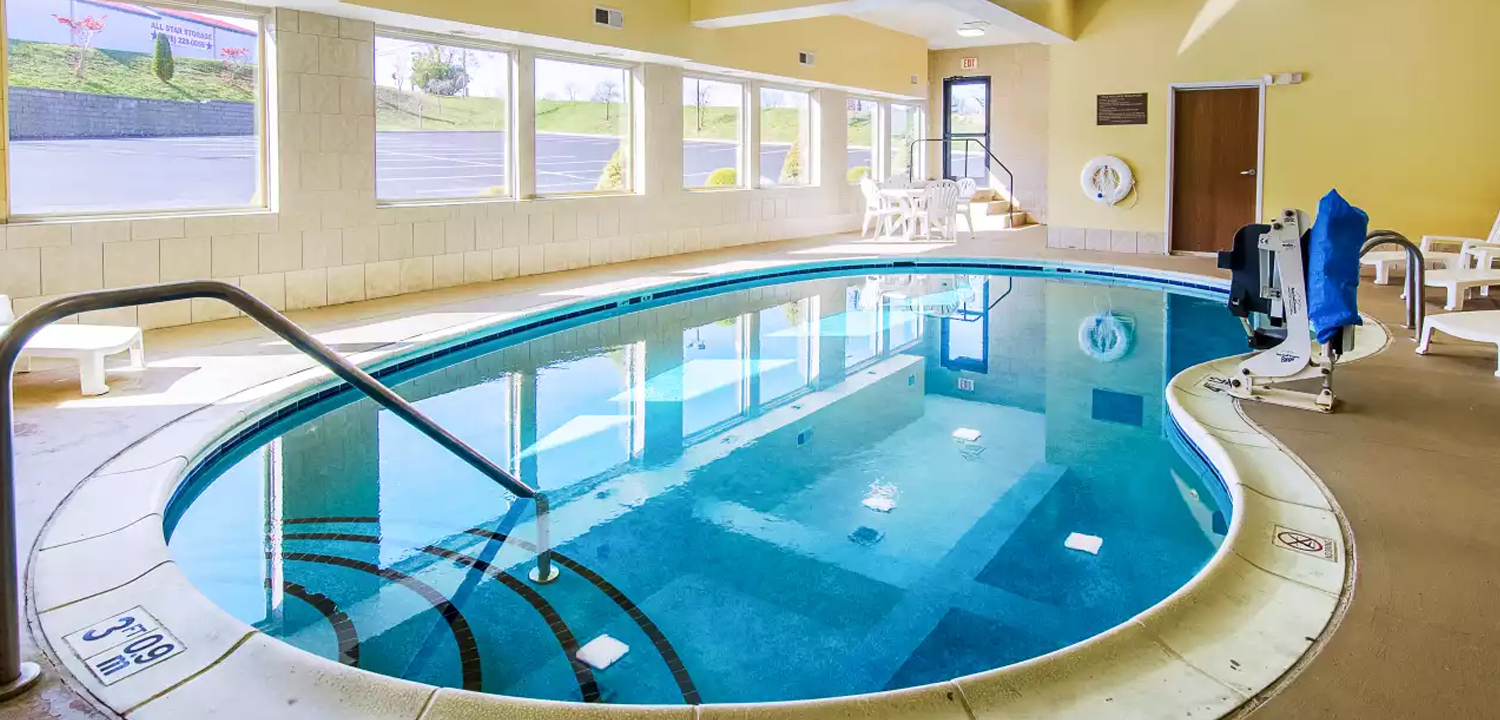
[1260, 150]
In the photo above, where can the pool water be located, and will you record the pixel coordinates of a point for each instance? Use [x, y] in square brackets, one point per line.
[833, 486]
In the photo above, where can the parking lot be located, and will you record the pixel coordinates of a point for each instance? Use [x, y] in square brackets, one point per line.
[134, 174]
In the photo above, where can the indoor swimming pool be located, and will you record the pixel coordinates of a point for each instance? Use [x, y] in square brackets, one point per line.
[771, 491]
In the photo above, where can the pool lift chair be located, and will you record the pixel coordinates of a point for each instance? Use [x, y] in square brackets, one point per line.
[1268, 292]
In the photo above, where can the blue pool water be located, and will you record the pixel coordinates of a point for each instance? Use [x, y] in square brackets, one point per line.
[799, 490]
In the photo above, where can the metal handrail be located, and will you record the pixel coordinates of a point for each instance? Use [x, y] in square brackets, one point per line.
[1010, 196]
[15, 675]
[1416, 274]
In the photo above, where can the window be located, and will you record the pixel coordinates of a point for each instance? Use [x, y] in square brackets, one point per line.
[93, 129]
[711, 127]
[862, 312]
[714, 376]
[906, 128]
[582, 128]
[861, 139]
[586, 413]
[441, 118]
[785, 362]
[785, 139]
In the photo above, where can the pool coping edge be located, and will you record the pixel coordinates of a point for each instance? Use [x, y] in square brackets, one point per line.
[982, 694]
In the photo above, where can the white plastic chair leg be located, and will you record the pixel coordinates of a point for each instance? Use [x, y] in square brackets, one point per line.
[138, 354]
[1426, 340]
[91, 374]
[1382, 273]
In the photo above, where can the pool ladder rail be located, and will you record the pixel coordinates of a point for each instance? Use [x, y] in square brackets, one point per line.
[16, 675]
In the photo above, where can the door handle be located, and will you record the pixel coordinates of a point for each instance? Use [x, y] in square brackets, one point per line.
[1250, 172]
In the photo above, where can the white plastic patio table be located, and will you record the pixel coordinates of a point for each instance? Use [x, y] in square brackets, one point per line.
[89, 345]
[1481, 326]
[906, 200]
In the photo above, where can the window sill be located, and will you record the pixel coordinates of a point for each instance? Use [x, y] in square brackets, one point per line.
[144, 215]
[442, 202]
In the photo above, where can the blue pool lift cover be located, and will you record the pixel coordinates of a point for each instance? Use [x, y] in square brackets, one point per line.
[1333, 266]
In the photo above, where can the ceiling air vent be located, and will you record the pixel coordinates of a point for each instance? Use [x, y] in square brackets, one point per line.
[609, 18]
[806, 58]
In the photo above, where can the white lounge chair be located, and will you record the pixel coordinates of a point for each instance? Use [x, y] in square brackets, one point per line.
[876, 208]
[1480, 326]
[966, 189]
[88, 344]
[1440, 251]
[1459, 282]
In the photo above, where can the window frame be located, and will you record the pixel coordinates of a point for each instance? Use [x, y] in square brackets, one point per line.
[812, 136]
[918, 154]
[742, 141]
[877, 128]
[511, 53]
[628, 139]
[266, 179]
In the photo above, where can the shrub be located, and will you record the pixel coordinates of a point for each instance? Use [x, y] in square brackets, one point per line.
[791, 169]
[612, 177]
[724, 177]
[161, 62]
[857, 173]
[439, 72]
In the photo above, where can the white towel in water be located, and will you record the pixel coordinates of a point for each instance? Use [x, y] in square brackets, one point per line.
[1085, 543]
[602, 651]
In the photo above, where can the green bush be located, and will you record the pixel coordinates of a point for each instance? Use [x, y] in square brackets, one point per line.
[612, 177]
[791, 170]
[857, 173]
[161, 62]
[724, 177]
[439, 72]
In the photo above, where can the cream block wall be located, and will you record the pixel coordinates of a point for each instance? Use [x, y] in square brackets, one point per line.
[325, 240]
[1018, 114]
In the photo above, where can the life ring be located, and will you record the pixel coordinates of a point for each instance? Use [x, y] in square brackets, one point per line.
[1105, 337]
[1107, 180]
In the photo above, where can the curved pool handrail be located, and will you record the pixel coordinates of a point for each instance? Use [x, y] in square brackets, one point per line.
[15, 676]
[1416, 273]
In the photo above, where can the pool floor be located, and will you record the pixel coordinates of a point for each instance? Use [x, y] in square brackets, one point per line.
[805, 490]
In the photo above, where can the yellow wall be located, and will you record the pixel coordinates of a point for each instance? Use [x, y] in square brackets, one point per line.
[849, 52]
[1400, 109]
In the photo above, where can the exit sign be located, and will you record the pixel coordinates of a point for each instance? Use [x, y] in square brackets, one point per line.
[969, 63]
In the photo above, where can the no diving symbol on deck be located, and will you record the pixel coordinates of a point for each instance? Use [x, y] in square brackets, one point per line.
[1304, 543]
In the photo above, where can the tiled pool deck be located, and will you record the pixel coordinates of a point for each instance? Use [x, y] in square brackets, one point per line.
[65, 438]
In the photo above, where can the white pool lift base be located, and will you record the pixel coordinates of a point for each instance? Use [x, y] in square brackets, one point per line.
[1282, 298]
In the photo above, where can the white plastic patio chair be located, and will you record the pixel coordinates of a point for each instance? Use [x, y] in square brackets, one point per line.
[937, 212]
[88, 344]
[966, 189]
[1479, 326]
[876, 208]
[1484, 252]
[1444, 252]
[1461, 281]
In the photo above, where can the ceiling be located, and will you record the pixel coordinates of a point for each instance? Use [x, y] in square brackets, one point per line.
[937, 22]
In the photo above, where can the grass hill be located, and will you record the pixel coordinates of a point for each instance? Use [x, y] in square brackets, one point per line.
[113, 72]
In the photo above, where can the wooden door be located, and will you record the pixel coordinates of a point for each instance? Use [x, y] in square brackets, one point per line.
[1215, 162]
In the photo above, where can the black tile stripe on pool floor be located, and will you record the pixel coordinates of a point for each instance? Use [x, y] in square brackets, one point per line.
[463, 635]
[587, 685]
[658, 638]
[343, 628]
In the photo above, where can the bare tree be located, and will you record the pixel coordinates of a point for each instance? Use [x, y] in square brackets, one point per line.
[571, 89]
[607, 92]
[701, 97]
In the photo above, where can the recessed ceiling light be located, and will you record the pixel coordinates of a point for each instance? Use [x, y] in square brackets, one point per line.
[973, 29]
